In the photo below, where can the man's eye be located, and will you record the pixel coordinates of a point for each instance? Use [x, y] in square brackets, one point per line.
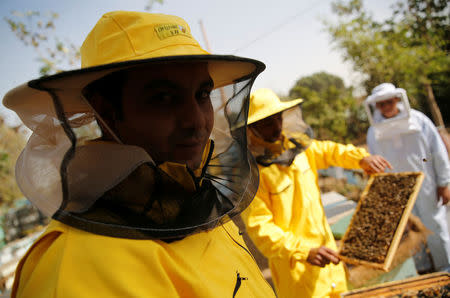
[162, 98]
[203, 95]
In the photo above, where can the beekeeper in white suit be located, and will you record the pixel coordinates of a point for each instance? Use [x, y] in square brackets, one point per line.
[410, 142]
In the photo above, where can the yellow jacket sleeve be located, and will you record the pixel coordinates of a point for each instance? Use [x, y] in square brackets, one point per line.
[328, 153]
[271, 240]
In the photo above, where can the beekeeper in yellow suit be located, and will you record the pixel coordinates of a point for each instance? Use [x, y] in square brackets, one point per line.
[286, 220]
[126, 158]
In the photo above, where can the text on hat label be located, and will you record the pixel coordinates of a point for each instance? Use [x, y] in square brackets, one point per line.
[168, 30]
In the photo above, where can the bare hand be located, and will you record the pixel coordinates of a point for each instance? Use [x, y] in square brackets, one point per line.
[444, 193]
[374, 164]
[321, 256]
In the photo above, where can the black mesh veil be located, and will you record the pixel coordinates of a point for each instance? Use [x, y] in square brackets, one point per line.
[73, 173]
[297, 137]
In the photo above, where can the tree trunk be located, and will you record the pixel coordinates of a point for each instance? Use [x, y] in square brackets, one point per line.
[435, 112]
[437, 118]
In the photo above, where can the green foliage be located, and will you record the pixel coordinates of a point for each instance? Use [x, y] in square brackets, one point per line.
[406, 49]
[38, 30]
[11, 143]
[329, 107]
[441, 88]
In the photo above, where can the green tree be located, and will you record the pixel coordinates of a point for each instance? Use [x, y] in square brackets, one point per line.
[11, 143]
[407, 49]
[330, 108]
[37, 30]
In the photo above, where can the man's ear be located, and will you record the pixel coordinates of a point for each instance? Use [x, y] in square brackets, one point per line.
[108, 114]
[253, 128]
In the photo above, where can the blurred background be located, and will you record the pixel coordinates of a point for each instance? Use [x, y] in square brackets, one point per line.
[331, 53]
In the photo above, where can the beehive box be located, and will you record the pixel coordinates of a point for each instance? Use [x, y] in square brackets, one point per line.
[429, 285]
[377, 225]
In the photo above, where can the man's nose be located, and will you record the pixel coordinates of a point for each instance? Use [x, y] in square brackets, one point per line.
[190, 114]
[277, 124]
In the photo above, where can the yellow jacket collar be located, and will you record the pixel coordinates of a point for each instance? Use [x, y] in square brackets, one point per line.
[276, 148]
[281, 152]
[188, 178]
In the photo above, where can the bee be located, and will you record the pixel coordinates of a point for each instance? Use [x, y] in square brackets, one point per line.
[373, 227]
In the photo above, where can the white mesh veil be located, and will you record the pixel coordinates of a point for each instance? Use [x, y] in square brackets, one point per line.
[388, 128]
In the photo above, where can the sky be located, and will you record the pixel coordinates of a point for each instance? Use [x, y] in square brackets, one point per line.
[287, 35]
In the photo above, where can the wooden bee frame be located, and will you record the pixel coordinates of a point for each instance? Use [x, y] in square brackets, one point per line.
[395, 288]
[400, 227]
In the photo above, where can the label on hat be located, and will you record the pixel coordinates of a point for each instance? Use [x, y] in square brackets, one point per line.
[168, 30]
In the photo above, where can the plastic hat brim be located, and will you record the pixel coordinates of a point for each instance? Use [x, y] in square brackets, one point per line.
[397, 93]
[27, 98]
[282, 106]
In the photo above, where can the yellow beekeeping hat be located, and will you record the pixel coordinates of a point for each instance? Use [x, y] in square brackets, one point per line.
[122, 40]
[264, 103]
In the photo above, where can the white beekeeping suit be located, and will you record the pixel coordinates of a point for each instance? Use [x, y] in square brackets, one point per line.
[411, 142]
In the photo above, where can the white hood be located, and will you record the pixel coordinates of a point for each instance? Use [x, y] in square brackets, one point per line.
[386, 128]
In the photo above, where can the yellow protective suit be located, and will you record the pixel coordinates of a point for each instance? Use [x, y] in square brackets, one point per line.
[66, 262]
[286, 219]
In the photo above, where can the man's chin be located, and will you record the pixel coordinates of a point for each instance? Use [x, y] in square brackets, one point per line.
[192, 161]
[192, 164]
[388, 116]
[275, 138]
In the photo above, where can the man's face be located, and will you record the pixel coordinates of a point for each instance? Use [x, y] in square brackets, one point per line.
[269, 128]
[167, 111]
[388, 108]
